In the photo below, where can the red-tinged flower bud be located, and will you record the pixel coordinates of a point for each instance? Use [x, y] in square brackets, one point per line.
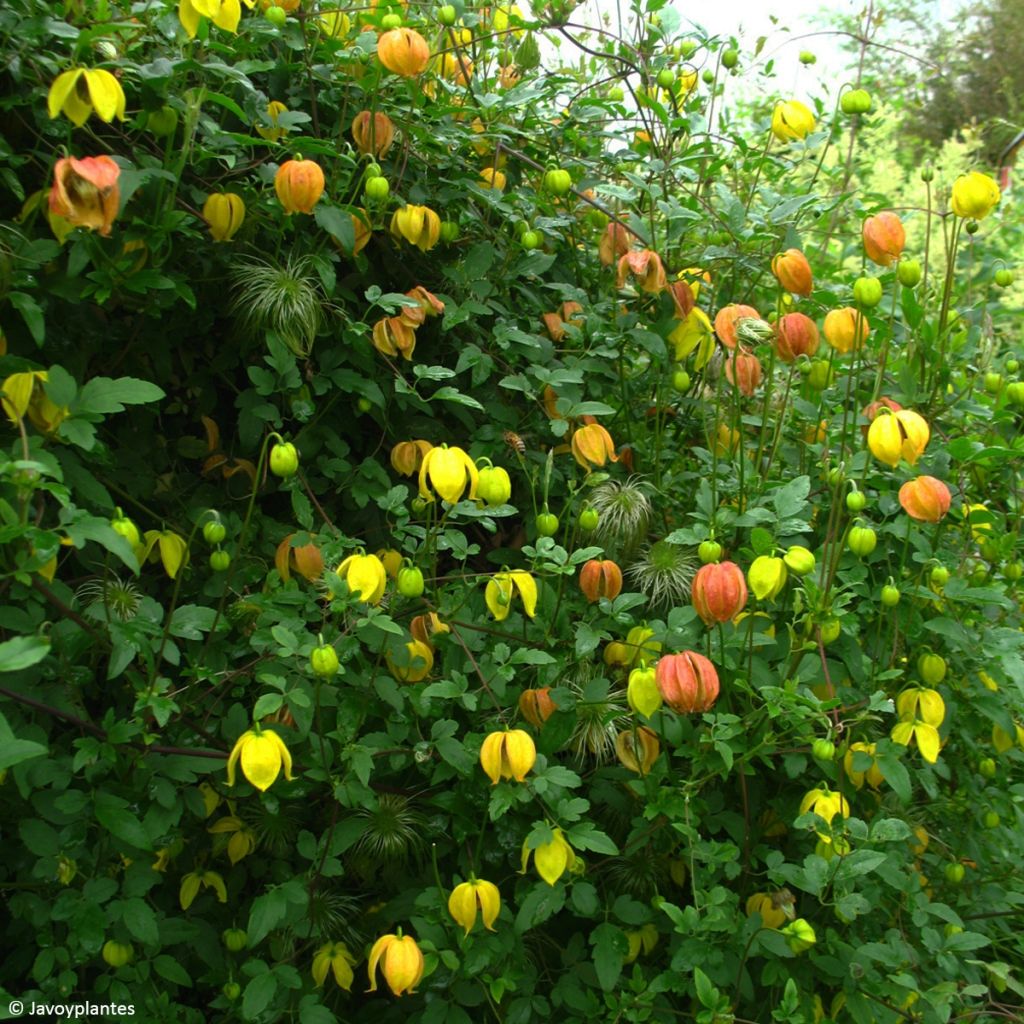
[614, 243]
[795, 335]
[743, 371]
[600, 579]
[719, 592]
[793, 272]
[299, 185]
[85, 192]
[536, 706]
[637, 750]
[884, 238]
[726, 318]
[925, 499]
[403, 51]
[688, 682]
[373, 133]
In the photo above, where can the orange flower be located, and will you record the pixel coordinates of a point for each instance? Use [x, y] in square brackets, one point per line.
[795, 335]
[884, 238]
[793, 272]
[555, 322]
[407, 456]
[726, 318]
[925, 499]
[373, 133]
[592, 445]
[537, 706]
[305, 559]
[743, 371]
[614, 243]
[600, 579]
[299, 185]
[85, 192]
[403, 51]
[393, 335]
[644, 264]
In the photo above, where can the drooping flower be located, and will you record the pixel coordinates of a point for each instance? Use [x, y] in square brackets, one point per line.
[592, 446]
[262, 753]
[448, 471]
[791, 120]
[796, 334]
[767, 576]
[645, 265]
[305, 559]
[743, 371]
[401, 963]
[688, 682]
[793, 272]
[225, 14]
[600, 578]
[85, 192]
[926, 736]
[537, 706]
[373, 133]
[975, 195]
[24, 394]
[825, 804]
[243, 838]
[509, 754]
[365, 576]
[418, 225]
[503, 586]
[719, 592]
[727, 319]
[775, 908]
[276, 132]
[637, 749]
[299, 184]
[925, 499]
[846, 329]
[224, 213]
[407, 456]
[872, 774]
[693, 332]
[642, 692]
[614, 243]
[194, 881]
[414, 664]
[336, 958]
[895, 435]
[921, 703]
[83, 91]
[884, 238]
[550, 859]
[403, 51]
[475, 895]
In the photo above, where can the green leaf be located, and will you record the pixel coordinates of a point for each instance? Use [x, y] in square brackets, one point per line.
[103, 395]
[790, 500]
[22, 652]
[140, 920]
[258, 994]
[611, 947]
[31, 313]
[191, 621]
[543, 901]
[338, 224]
[706, 992]
[113, 814]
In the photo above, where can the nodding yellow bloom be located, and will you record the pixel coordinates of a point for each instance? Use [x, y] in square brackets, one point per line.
[414, 663]
[224, 213]
[503, 586]
[262, 753]
[448, 471]
[593, 446]
[643, 940]
[276, 132]
[242, 841]
[791, 121]
[551, 859]
[418, 225]
[194, 881]
[335, 24]
[927, 737]
[1002, 740]
[83, 91]
[166, 545]
[872, 774]
[825, 804]
[401, 963]
[365, 575]
[767, 576]
[921, 703]
[896, 435]
[642, 692]
[470, 896]
[693, 332]
[336, 958]
[507, 755]
[975, 195]
[775, 908]
[24, 394]
[225, 14]
[407, 456]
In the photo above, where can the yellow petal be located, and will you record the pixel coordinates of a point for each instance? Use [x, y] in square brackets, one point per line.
[321, 965]
[18, 394]
[207, 8]
[902, 733]
[490, 903]
[552, 859]
[498, 595]
[236, 752]
[375, 954]
[261, 761]
[927, 741]
[106, 94]
[63, 86]
[490, 755]
[228, 16]
[933, 708]
[189, 890]
[286, 757]
[172, 552]
[189, 17]
[216, 883]
[527, 587]
[229, 824]
[342, 968]
[462, 906]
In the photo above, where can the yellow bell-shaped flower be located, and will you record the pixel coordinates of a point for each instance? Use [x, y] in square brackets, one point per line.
[401, 963]
[261, 753]
[223, 213]
[825, 804]
[767, 576]
[975, 195]
[336, 958]
[921, 703]
[225, 14]
[503, 586]
[791, 120]
[550, 859]
[83, 91]
[447, 472]
[926, 736]
[694, 331]
[509, 754]
[642, 692]
[418, 225]
[365, 575]
[468, 897]
[896, 435]
[872, 775]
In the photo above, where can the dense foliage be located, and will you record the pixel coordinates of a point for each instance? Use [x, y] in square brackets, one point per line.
[489, 521]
